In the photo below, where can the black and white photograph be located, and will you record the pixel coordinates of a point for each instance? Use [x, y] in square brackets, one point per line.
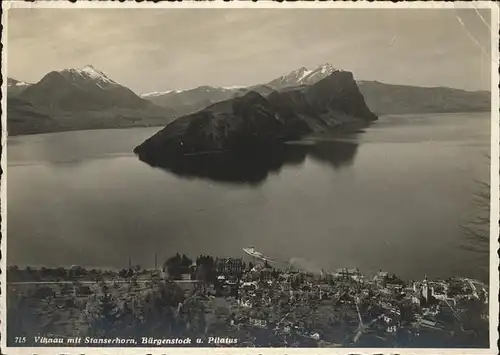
[249, 175]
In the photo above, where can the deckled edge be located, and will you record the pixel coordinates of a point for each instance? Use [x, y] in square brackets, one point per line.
[494, 174]
[3, 165]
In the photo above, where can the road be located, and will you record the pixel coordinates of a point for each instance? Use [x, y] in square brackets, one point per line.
[90, 282]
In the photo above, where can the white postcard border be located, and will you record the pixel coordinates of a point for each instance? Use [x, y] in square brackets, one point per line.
[494, 174]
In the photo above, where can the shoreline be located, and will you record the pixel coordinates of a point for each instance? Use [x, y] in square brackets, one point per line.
[164, 125]
[147, 274]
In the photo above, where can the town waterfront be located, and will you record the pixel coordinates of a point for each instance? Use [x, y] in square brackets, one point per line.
[227, 302]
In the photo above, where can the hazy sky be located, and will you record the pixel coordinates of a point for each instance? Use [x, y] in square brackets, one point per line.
[162, 49]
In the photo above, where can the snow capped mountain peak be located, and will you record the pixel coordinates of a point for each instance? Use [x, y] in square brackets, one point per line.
[95, 74]
[204, 88]
[297, 77]
[318, 74]
[159, 93]
[91, 70]
[87, 74]
[292, 78]
[302, 73]
[13, 82]
[304, 76]
[233, 87]
[326, 68]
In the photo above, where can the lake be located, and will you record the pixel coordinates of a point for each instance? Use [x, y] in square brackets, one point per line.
[393, 198]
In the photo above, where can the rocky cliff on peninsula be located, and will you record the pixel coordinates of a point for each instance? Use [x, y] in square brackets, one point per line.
[255, 120]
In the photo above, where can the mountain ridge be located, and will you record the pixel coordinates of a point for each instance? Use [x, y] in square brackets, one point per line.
[86, 98]
[385, 98]
[15, 87]
[253, 120]
[79, 99]
[450, 99]
[83, 89]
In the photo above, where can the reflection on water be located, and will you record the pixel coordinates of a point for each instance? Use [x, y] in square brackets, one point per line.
[338, 154]
[253, 165]
[393, 198]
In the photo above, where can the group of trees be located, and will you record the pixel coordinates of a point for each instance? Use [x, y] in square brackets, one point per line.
[205, 268]
[178, 265]
[161, 310]
[21, 317]
[130, 272]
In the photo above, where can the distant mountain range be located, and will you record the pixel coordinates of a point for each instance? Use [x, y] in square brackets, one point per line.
[192, 100]
[74, 99]
[401, 99]
[15, 87]
[85, 89]
[253, 121]
[381, 98]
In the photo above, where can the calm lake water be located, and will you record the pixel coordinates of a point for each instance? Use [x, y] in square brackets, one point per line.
[390, 198]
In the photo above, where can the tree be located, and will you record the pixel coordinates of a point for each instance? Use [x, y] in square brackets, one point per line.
[150, 311]
[61, 273]
[185, 261]
[155, 310]
[13, 273]
[477, 228]
[21, 317]
[473, 323]
[201, 273]
[123, 273]
[205, 270]
[173, 266]
[101, 313]
[193, 312]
